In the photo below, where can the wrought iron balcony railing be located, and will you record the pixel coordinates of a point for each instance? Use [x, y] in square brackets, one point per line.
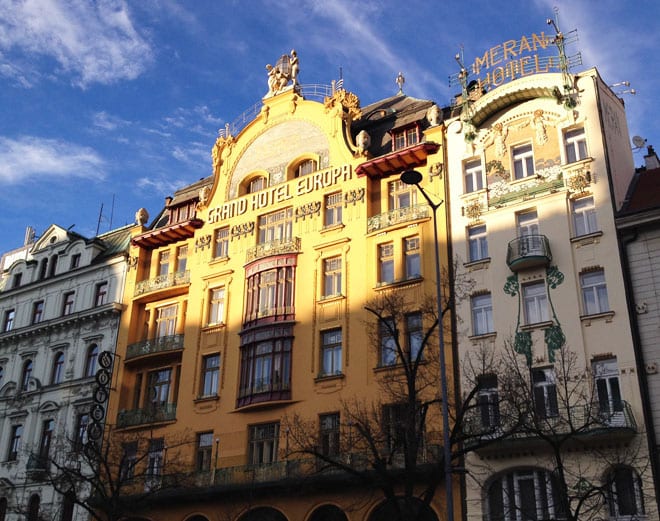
[155, 414]
[154, 345]
[528, 251]
[276, 247]
[398, 216]
[162, 282]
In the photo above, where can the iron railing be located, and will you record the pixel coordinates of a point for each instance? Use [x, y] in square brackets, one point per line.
[162, 282]
[398, 216]
[276, 247]
[154, 345]
[528, 251]
[154, 414]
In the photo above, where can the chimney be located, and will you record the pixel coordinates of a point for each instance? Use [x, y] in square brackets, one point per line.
[651, 159]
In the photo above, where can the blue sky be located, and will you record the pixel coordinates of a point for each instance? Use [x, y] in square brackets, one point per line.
[113, 105]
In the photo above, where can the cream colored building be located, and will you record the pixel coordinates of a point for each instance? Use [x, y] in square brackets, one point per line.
[535, 174]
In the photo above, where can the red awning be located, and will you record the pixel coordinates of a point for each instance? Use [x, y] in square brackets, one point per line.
[398, 161]
[167, 235]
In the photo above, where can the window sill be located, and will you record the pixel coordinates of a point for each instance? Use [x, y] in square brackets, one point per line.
[402, 282]
[537, 325]
[219, 260]
[322, 377]
[333, 227]
[213, 328]
[474, 193]
[478, 264]
[483, 336]
[209, 398]
[590, 238]
[587, 319]
[331, 298]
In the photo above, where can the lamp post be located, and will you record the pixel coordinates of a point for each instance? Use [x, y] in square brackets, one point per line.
[412, 177]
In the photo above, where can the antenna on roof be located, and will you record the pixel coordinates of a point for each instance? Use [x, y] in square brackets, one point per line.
[98, 223]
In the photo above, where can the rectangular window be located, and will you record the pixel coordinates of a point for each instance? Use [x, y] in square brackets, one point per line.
[204, 451]
[414, 334]
[276, 226]
[46, 439]
[388, 343]
[67, 303]
[482, 314]
[386, 263]
[329, 434]
[545, 393]
[535, 300]
[575, 144]
[401, 195]
[412, 258]
[155, 460]
[477, 242]
[523, 161]
[37, 312]
[10, 316]
[75, 261]
[166, 320]
[488, 401]
[265, 369]
[331, 352]
[101, 296]
[395, 425]
[128, 461]
[181, 258]
[15, 442]
[163, 263]
[474, 176]
[404, 138]
[216, 306]
[263, 443]
[210, 375]
[333, 209]
[270, 293]
[18, 277]
[158, 391]
[221, 243]
[606, 379]
[332, 277]
[82, 422]
[594, 292]
[584, 216]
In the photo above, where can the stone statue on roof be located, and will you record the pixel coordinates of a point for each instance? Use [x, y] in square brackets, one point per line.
[285, 70]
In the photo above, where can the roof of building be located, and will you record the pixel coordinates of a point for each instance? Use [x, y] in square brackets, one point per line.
[644, 190]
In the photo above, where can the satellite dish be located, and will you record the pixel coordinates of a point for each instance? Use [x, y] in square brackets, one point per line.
[638, 141]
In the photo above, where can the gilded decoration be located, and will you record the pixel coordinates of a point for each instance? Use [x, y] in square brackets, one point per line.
[473, 209]
[353, 196]
[222, 148]
[242, 230]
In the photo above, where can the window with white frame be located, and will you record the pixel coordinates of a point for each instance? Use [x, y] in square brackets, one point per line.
[256, 184]
[10, 316]
[545, 392]
[333, 209]
[275, 226]
[67, 303]
[181, 258]
[332, 272]
[625, 494]
[523, 161]
[413, 268]
[477, 242]
[404, 138]
[159, 385]
[488, 401]
[37, 312]
[523, 495]
[608, 390]
[584, 216]
[575, 145]
[594, 292]
[101, 294]
[163, 263]
[155, 461]
[386, 263]
[216, 306]
[204, 451]
[473, 174]
[306, 167]
[535, 302]
[331, 347]
[482, 314]
[166, 320]
[401, 195]
[221, 243]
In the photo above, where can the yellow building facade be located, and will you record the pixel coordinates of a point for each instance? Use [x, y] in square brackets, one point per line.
[246, 329]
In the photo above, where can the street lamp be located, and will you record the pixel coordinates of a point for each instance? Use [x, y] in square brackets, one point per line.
[413, 177]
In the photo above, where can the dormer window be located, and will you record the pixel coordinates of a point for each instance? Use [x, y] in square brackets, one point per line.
[75, 261]
[405, 137]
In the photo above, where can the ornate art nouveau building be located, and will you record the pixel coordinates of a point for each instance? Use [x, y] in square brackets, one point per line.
[60, 309]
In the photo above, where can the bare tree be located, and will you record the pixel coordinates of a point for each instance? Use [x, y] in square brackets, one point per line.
[583, 433]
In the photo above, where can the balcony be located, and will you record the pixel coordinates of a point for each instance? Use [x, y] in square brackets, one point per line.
[528, 251]
[398, 216]
[169, 280]
[154, 345]
[155, 414]
[581, 424]
[276, 247]
[37, 466]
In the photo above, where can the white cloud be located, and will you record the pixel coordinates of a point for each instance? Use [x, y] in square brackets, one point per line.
[30, 157]
[95, 41]
[106, 121]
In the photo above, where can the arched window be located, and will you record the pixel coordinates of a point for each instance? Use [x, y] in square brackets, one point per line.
[328, 513]
[256, 184]
[523, 494]
[26, 375]
[33, 508]
[306, 167]
[624, 493]
[58, 368]
[92, 356]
